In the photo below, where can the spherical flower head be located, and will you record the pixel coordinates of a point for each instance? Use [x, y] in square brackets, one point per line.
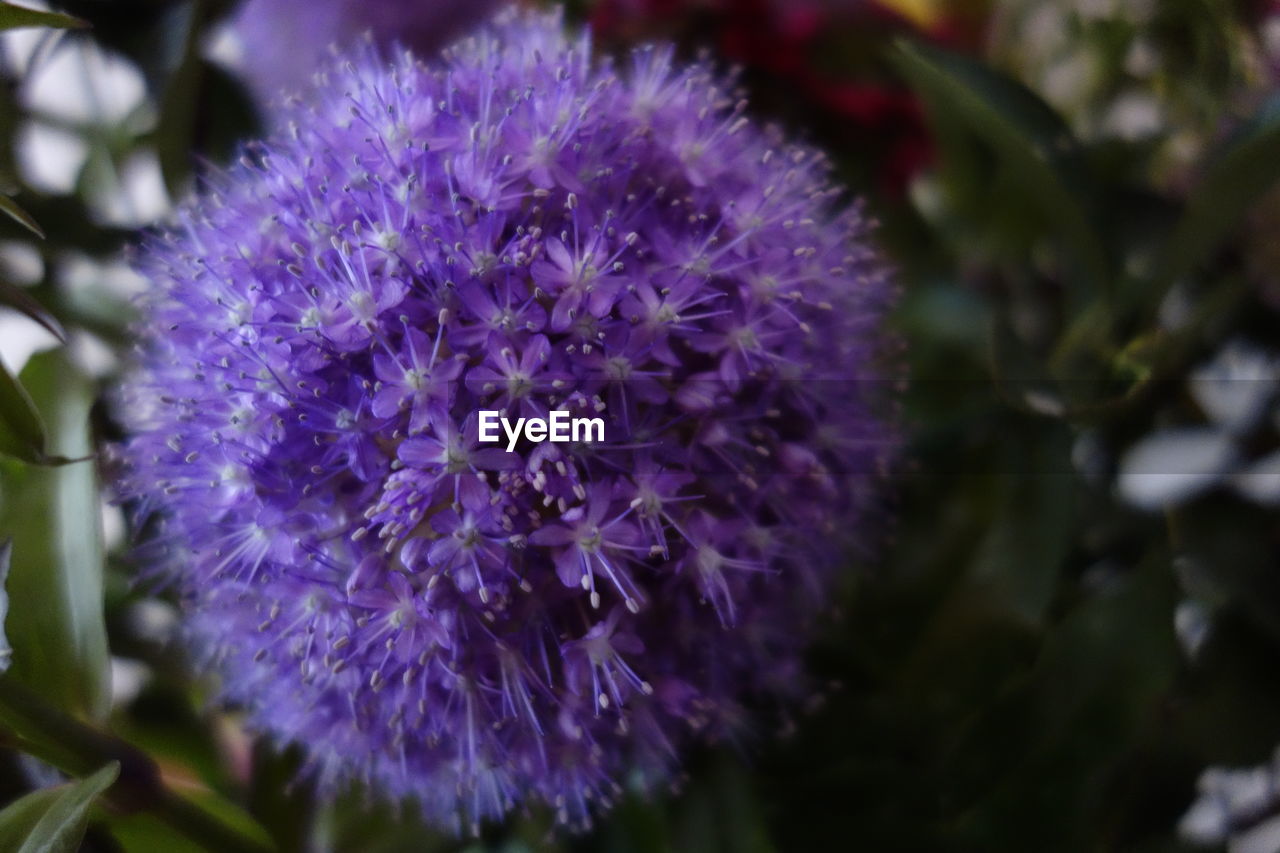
[519, 228]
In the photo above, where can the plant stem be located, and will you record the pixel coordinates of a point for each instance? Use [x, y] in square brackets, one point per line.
[79, 749]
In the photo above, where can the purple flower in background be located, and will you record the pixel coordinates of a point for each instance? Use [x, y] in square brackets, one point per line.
[282, 42]
[519, 228]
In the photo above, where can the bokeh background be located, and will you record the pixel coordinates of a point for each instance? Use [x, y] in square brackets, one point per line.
[1068, 638]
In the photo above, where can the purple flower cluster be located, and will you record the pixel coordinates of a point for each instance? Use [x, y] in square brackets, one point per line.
[522, 228]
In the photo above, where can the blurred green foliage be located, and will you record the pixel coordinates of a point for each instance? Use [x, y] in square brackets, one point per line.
[53, 820]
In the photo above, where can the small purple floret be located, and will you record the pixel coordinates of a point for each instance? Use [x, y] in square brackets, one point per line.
[519, 227]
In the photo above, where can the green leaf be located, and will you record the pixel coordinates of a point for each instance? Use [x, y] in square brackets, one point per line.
[142, 833]
[6, 652]
[13, 17]
[1032, 141]
[1243, 172]
[53, 820]
[16, 213]
[205, 115]
[54, 516]
[145, 832]
[175, 134]
[21, 430]
[19, 300]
